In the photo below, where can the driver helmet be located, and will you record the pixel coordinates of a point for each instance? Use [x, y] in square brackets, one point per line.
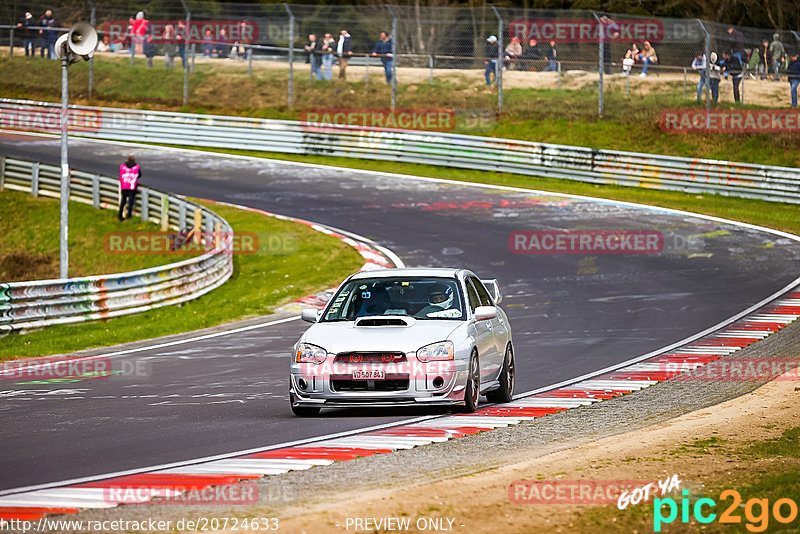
[442, 296]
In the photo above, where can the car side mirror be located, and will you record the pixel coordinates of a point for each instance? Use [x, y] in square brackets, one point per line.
[310, 315]
[484, 313]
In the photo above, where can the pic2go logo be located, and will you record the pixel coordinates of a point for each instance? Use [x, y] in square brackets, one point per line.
[756, 511]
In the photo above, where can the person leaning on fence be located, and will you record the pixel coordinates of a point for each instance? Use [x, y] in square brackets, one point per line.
[28, 35]
[530, 56]
[776, 54]
[383, 48]
[490, 59]
[207, 44]
[221, 47]
[647, 57]
[629, 59]
[141, 27]
[736, 43]
[610, 31]
[733, 67]
[129, 175]
[760, 64]
[699, 66]
[713, 76]
[170, 46]
[314, 56]
[48, 34]
[512, 52]
[551, 55]
[344, 50]
[327, 50]
[180, 40]
[793, 74]
[150, 49]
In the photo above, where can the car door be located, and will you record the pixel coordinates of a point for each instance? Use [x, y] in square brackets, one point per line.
[499, 330]
[484, 336]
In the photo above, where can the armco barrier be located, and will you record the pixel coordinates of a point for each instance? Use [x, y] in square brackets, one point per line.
[25, 305]
[780, 184]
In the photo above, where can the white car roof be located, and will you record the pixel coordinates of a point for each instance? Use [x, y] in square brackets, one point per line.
[409, 271]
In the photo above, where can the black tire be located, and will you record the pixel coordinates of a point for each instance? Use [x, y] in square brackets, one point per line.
[473, 390]
[303, 411]
[506, 390]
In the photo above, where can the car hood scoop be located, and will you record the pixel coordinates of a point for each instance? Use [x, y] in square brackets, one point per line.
[382, 320]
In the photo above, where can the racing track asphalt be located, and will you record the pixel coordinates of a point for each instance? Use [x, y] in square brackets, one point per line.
[571, 313]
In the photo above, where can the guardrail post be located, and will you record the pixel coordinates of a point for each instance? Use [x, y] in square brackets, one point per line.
[291, 55]
[2, 171]
[498, 68]
[198, 225]
[181, 215]
[217, 234]
[35, 179]
[145, 204]
[164, 212]
[96, 191]
[209, 224]
[11, 42]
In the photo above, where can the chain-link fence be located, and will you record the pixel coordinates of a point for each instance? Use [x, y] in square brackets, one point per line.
[473, 61]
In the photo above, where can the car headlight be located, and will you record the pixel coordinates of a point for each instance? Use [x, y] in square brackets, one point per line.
[307, 353]
[442, 350]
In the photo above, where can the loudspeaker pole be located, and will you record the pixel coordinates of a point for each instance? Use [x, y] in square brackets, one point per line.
[64, 227]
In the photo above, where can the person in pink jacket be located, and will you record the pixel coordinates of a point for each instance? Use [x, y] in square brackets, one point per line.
[129, 174]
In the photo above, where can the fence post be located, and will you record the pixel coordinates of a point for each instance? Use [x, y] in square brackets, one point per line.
[498, 68]
[366, 70]
[291, 55]
[2, 172]
[11, 42]
[186, 51]
[145, 204]
[194, 53]
[430, 68]
[684, 82]
[35, 180]
[95, 191]
[600, 69]
[708, 72]
[91, 59]
[164, 212]
[249, 60]
[394, 57]
[181, 215]
[558, 64]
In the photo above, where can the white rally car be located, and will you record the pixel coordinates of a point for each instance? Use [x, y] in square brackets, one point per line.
[405, 337]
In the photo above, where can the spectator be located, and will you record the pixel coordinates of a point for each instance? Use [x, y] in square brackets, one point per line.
[551, 56]
[762, 67]
[490, 59]
[610, 30]
[383, 48]
[129, 175]
[344, 50]
[793, 74]
[630, 58]
[313, 48]
[327, 49]
[221, 47]
[170, 46]
[48, 34]
[150, 49]
[531, 55]
[699, 65]
[239, 51]
[180, 39]
[207, 44]
[647, 57]
[776, 54]
[733, 66]
[737, 43]
[141, 27]
[28, 36]
[713, 76]
[104, 45]
[512, 52]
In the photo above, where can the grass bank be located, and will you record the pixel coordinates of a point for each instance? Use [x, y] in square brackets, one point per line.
[260, 283]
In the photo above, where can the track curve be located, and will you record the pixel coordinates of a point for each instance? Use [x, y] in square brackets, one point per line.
[571, 313]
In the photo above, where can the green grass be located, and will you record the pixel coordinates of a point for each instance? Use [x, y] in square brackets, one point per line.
[259, 284]
[29, 239]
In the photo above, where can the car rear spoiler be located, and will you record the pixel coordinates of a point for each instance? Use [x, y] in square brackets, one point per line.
[493, 287]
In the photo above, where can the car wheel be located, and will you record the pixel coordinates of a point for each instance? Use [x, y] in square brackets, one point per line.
[506, 390]
[473, 389]
[303, 411]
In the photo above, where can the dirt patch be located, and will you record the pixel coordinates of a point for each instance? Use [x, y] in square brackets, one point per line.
[22, 266]
[684, 446]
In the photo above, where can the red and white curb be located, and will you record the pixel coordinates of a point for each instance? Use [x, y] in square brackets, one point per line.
[167, 483]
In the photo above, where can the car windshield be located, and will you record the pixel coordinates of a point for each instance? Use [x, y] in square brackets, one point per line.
[420, 297]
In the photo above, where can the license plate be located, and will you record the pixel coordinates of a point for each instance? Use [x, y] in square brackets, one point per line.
[369, 375]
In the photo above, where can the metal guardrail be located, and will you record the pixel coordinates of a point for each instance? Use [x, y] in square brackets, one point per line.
[780, 184]
[27, 305]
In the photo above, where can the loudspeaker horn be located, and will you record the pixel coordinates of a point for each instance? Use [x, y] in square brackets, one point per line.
[82, 39]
